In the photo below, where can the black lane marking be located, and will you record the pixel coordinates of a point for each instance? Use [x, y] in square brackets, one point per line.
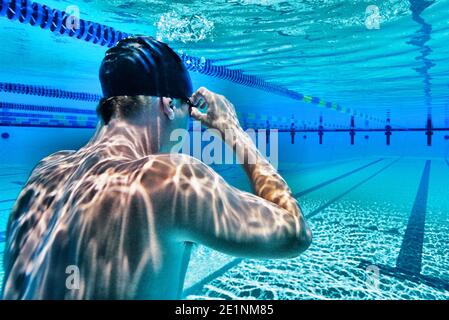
[325, 183]
[405, 275]
[410, 255]
[327, 204]
[409, 261]
[199, 285]
[7, 200]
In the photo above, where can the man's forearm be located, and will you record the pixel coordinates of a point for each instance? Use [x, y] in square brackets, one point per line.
[266, 182]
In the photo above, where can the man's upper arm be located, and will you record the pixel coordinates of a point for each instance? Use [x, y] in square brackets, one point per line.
[210, 211]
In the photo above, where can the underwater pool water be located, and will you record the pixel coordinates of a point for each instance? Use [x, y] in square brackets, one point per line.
[379, 213]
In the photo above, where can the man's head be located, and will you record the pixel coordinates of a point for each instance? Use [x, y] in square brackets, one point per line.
[142, 77]
[144, 66]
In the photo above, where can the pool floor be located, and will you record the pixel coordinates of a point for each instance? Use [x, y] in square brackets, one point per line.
[380, 226]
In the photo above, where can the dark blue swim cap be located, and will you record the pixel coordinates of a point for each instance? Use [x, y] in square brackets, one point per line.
[144, 66]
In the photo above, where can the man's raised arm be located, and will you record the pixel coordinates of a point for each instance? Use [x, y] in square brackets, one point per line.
[267, 224]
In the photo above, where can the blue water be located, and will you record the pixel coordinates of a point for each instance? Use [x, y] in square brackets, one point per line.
[379, 213]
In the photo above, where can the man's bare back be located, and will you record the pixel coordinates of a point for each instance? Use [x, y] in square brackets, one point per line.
[109, 217]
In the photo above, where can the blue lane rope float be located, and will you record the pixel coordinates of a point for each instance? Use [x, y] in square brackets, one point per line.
[35, 14]
[14, 114]
[44, 91]
[17, 114]
[56, 21]
[5, 106]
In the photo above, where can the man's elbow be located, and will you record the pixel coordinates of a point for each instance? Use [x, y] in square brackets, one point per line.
[299, 243]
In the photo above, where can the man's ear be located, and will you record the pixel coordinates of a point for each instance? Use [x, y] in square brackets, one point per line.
[167, 108]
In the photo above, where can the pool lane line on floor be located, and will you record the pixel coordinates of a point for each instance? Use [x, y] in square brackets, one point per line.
[200, 284]
[5, 211]
[7, 200]
[325, 183]
[410, 255]
[10, 189]
[188, 245]
[8, 169]
[235, 262]
[9, 173]
[296, 170]
[341, 195]
[314, 167]
[403, 275]
[409, 261]
[12, 174]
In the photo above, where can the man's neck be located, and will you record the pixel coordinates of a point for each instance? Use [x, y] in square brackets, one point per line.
[124, 139]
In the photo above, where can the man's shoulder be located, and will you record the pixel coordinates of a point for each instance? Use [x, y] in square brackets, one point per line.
[56, 156]
[173, 159]
[53, 158]
[172, 166]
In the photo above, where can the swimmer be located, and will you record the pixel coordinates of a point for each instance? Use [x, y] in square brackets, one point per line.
[121, 208]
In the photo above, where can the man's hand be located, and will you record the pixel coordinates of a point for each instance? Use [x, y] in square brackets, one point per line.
[220, 113]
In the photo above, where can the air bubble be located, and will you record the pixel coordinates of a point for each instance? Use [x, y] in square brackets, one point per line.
[184, 27]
